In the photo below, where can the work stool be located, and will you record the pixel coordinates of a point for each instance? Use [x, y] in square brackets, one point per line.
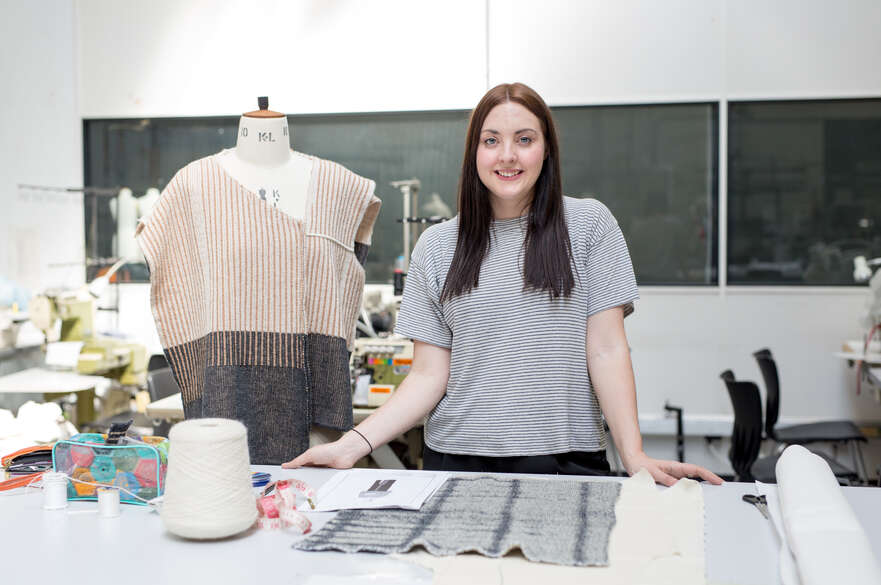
[746, 437]
[836, 431]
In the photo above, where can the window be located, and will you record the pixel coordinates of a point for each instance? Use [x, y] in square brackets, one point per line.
[653, 165]
[384, 147]
[804, 194]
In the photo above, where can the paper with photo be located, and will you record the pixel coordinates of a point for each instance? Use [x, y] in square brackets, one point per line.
[357, 489]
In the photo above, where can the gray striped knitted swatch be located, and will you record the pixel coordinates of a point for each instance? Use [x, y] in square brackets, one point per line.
[565, 522]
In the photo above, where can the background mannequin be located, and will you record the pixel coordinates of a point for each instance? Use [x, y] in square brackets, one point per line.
[147, 201]
[263, 162]
[124, 210]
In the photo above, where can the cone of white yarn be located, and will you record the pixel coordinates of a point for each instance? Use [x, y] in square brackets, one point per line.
[208, 491]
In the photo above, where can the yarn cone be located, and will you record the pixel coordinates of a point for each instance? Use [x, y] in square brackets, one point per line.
[208, 493]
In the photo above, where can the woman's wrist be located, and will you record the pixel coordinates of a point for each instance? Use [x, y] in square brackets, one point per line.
[632, 460]
[355, 445]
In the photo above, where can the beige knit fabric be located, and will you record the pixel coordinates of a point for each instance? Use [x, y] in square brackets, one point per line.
[658, 539]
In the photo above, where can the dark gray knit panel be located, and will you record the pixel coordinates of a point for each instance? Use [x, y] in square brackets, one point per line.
[361, 252]
[270, 401]
[193, 409]
[566, 522]
[330, 386]
[277, 384]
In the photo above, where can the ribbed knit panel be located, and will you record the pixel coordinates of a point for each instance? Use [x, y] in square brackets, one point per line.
[234, 348]
[336, 276]
[222, 259]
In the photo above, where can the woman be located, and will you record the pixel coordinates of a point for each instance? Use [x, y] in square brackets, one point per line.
[516, 308]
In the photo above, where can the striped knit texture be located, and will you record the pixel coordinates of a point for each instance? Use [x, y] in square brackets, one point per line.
[518, 383]
[236, 282]
[551, 521]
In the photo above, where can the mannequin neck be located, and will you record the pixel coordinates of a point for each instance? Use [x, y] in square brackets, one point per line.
[263, 141]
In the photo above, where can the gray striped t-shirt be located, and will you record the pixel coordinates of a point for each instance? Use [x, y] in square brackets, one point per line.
[518, 380]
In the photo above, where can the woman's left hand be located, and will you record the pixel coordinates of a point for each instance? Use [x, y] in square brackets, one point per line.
[668, 472]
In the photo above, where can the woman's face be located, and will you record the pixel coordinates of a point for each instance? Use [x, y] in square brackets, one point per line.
[509, 158]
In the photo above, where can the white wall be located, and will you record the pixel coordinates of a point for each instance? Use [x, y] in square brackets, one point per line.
[583, 52]
[201, 57]
[592, 52]
[798, 48]
[40, 143]
[682, 341]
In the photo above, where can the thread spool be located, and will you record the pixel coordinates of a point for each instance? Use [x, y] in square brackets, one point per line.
[208, 491]
[54, 490]
[108, 502]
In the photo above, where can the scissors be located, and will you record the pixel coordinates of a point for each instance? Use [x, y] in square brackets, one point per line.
[759, 502]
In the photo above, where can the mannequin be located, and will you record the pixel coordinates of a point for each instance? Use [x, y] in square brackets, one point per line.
[263, 162]
[147, 201]
[124, 210]
[256, 258]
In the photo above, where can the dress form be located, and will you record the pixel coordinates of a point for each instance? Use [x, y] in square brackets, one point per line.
[147, 201]
[263, 162]
[124, 210]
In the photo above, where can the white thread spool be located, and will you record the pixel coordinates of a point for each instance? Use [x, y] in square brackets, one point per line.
[108, 502]
[208, 491]
[54, 490]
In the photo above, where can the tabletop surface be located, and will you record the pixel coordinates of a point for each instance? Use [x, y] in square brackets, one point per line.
[169, 407]
[54, 546]
[44, 381]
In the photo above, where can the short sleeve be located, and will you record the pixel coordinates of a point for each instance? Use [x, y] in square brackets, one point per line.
[421, 316]
[364, 233]
[609, 281]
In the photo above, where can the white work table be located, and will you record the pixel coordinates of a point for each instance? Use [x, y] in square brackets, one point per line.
[75, 545]
[45, 381]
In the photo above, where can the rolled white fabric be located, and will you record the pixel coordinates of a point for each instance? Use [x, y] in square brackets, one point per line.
[827, 541]
[208, 491]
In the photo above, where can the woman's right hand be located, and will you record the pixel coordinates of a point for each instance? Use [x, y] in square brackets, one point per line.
[341, 454]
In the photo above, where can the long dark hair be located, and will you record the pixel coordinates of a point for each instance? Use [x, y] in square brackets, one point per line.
[548, 252]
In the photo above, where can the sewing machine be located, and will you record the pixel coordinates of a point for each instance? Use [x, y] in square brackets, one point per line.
[386, 360]
[69, 315]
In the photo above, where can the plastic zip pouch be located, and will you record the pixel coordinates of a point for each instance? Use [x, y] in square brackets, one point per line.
[135, 465]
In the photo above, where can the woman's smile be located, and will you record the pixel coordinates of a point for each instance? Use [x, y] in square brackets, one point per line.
[509, 174]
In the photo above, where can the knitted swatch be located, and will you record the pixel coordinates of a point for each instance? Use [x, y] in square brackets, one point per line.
[565, 522]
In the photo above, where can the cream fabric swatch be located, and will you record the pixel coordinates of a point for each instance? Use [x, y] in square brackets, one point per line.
[658, 539]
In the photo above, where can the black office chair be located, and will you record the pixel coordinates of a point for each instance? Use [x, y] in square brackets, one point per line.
[161, 384]
[746, 437]
[837, 431]
[157, 361]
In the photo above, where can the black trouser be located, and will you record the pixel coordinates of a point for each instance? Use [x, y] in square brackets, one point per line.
[571, 463]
